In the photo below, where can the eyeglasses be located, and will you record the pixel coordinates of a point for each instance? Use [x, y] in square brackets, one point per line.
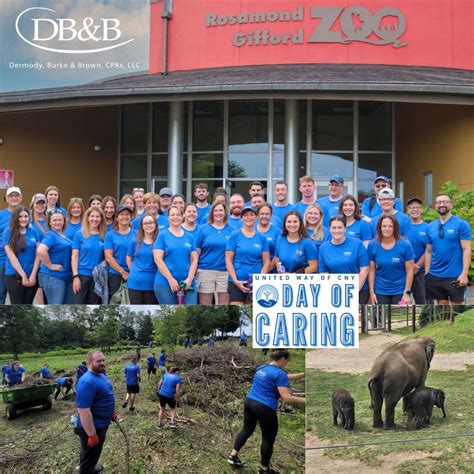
[447, 201]
[381, 185]
[441, 231]
[149, 223]
[138, 189]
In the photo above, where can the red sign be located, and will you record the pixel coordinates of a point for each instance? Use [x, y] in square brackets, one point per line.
[6, 179]
[212, 33]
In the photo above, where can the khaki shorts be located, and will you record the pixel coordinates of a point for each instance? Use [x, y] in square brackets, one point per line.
[212, 281]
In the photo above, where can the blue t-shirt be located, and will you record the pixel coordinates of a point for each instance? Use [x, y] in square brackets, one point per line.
[293, 255]
[168, 387]
[177, 255]
[72, 229]
[91, 252]
[4, 372]
[318, 242]
[417, 236]
[282, 211]
[132, 373]
[212, 243]
[27, 256]
[330, 208]
[15, 375]
[359, 229]
[347, 257]
[5, 218]
[45, 373]
[109, 228]
[446, 258]
[390, 272]
[40, 228]
[95, 391]
[301, 207]
[272, 235]
[119, 244]
[163, 222]
[203, 214]
[193, 233]
[402, 219]
[265, 385]
[143, 271]
[62, 381]
[247, 253]
[234, 223]
[150, 362]
[81, 369]
[59, 250]
[377, 210]
[162, 360]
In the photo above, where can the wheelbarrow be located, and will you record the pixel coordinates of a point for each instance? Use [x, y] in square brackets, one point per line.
[18, 397]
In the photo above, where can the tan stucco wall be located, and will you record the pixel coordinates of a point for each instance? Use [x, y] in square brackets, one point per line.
[57, 147]
[437, 138]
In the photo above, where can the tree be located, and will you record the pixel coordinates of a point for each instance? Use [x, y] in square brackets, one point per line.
[170, 324]
[227, 319]
[145, 328]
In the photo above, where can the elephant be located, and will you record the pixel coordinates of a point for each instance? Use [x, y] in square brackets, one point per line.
[343, 406]
[396, 372]
[419, 405]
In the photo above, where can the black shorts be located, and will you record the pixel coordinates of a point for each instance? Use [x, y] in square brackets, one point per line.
[166, 400]
[442, 289]
[151, 370]
[133, 388]
[236, 295]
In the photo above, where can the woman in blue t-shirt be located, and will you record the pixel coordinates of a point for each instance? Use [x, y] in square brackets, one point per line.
[344, 254]
[75, 214]
[210, 246]
[87, 253]
[38, 215]
[190, 215]
[270, 382]
[116, 247]
[391, 265]
[270, 231]
[176, 258]
[246, 253]
[109, 207]
[294, 251]
[313, 223]
[53, 200]
[54, 251]
[168, 394]
[21, 267]
[141, 263]
[356, 227]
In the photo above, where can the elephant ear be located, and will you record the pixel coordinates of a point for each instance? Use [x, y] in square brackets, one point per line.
[430, 350]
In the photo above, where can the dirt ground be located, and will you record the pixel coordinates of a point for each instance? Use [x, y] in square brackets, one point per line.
[359, 361]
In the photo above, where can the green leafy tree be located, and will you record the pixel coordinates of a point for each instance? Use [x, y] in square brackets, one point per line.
[227, 318]
[145, 328]
[169, 324]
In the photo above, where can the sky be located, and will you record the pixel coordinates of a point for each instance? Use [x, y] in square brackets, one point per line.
[89, 15]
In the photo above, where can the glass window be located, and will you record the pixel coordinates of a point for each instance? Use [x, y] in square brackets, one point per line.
[332, 127]
[375, 126]
[252, 165]
[372, 165]
[134, 128]
[324, 165]
[208, 126]
[248, 125]
[133, 167]
[207, 165]
[160, 127]
[429, 189]
[302, 125]
[159, 165]
[126, 186]
[279, 125]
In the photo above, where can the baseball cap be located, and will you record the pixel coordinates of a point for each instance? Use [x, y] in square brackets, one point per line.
[122, 208]
[166, 191]
[38, 197]
[382, 178]
[337, 178]
[247, 209]
[386, 193]
[13, 189]
[414, 199]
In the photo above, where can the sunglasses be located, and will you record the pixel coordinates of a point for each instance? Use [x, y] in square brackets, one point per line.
[441, 231]
[138, 189]
[75, 199]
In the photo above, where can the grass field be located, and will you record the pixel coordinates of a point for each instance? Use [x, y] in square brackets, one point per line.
[439, 455]
[41, 441]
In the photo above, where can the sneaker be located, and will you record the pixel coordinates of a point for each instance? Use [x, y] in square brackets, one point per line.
[124, 404]
[132, 408]
[173, 425]
[270, 470]
[160, 427]
[235, 461]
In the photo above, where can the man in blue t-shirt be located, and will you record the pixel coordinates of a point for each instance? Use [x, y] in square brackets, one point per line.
[201, 193]
[168, 393]
[307, 189]
[81, 369]
[95, 403]
[243, 340]
[281, 206]
[15, 374]
[236, 204]
[151, 364]
[162, 363]
[330, 204]
[371, 207]
[63, 383]
[45, 372]
[132, 380]
[448, 255]
[417, 237]
[386, 198]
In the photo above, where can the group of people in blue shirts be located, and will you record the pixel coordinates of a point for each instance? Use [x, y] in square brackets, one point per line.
[168, 251]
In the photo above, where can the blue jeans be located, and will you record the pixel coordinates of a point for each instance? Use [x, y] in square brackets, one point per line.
[3, 289]
[57, 291]
[164, 295]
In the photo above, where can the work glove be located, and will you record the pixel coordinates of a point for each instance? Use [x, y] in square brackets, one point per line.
[93, 440]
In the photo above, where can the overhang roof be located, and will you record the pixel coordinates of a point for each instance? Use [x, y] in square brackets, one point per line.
[408, 83]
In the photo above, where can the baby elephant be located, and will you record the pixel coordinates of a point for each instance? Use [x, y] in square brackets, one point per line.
[343, 406]
[419, 405]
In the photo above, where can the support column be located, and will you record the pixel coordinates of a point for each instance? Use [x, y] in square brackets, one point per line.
[175, 146]
[291, 149]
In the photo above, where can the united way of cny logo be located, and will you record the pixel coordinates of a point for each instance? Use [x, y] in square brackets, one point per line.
[49, 32]
[267, 296]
